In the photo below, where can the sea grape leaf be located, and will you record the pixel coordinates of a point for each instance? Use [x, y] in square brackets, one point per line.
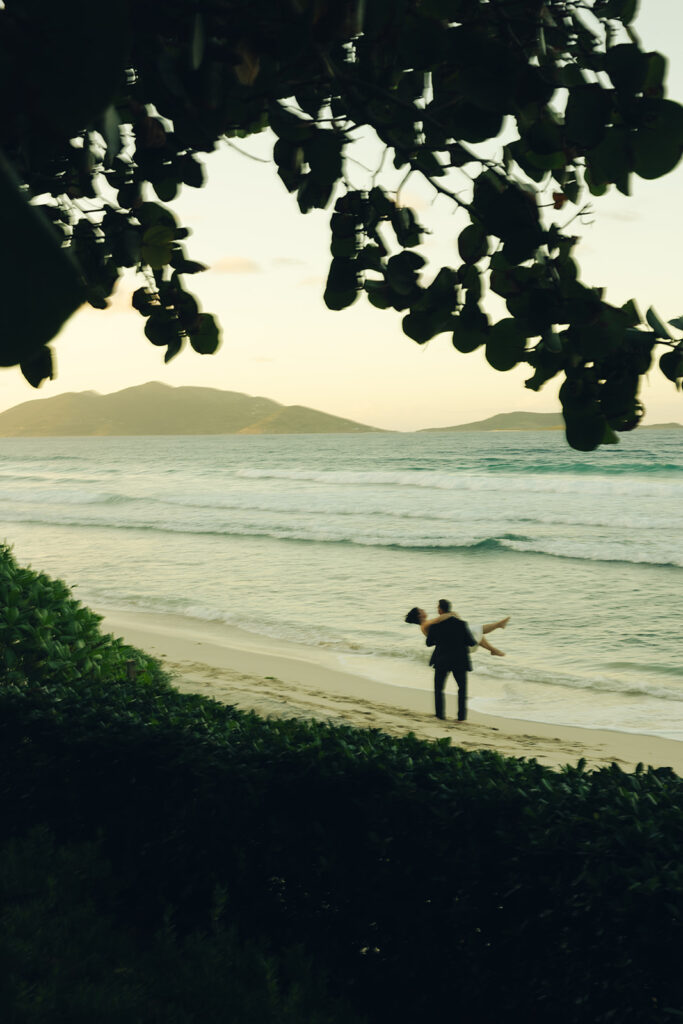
[656, 324]
[658, 142]
[505, 345]
[206, 338]
[35, 256]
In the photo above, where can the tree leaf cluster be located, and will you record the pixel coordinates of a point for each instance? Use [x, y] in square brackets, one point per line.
[581, 105]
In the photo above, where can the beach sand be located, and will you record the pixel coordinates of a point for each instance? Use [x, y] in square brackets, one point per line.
[279, 679]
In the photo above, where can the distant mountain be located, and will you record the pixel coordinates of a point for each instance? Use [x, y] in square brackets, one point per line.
[511, 421]
[529, 421]
[156, 408]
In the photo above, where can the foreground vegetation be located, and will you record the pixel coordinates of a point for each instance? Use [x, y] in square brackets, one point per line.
[165, 857]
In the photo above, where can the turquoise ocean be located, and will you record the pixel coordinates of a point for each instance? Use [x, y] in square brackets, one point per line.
[327, 540]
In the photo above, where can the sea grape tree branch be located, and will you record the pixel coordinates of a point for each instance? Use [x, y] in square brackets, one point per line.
[106, 110]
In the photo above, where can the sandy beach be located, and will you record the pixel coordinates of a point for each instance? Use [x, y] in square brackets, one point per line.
[276, 678]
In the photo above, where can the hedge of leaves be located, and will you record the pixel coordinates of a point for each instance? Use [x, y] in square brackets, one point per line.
[46, 636]
[65, 957]
[417, 876]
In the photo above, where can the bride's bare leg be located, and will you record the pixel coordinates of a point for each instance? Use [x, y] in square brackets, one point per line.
[490, 626]
[490, 648]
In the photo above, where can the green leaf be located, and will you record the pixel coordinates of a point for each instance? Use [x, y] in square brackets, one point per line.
[627, 66]
[166, 189]
[612, 158]
[206, 339]
[288, 126]
[470, 330]
[344, 235]
[418, 326]
[34, 258]
[671, 364]
[370, 258]
[381, 202]
[471, 123]
[38, 367]
[162, 328]
[342, 285]
[157, 246]
[289, 158]
[314, 193]
[586, 114]
[401, 272]
[658, 143]
[473, 243]
[379, 294]
[510, 212]
[428, 164]
[183, 266]
[656, 324]
[145, 302]
[408, 231]
[585, 432]
[153, 215]
[655, 75]
[631, 313]
[191, 171]
[324, 155]
[505, 345]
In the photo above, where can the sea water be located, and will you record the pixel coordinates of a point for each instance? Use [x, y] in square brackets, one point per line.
[327, 541]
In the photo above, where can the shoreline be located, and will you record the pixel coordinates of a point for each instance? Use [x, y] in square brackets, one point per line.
[281, 679]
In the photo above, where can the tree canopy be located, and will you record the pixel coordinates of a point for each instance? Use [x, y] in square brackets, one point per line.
[515, 110]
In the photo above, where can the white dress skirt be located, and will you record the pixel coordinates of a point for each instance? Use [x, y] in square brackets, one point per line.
[477, 631]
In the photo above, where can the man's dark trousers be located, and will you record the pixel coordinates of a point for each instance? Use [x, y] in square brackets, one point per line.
[440, 676]
[451, 639]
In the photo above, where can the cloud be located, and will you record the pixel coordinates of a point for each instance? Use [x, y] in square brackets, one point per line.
[235, 265]
[314, 279]
[627, 217]
[287, 261]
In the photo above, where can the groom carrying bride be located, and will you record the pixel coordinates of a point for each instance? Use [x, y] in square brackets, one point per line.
[452, 641]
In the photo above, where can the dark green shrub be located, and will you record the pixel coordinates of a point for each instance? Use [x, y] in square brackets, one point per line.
[65, 956]
[415, 876]
[407, 870]
[48, 636]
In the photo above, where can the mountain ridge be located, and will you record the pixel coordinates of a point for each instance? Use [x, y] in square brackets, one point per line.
[526, 421]
[158, 409]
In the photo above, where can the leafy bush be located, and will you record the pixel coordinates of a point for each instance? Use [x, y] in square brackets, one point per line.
[407, 870]
[66, 957]
[416, 876]
[48, 636]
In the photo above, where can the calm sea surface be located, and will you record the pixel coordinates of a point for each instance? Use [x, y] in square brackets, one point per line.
[328, 540]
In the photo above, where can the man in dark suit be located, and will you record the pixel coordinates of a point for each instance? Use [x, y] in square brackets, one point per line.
[451, 639]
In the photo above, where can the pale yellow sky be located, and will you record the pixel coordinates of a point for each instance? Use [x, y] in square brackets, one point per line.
[268, 268]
